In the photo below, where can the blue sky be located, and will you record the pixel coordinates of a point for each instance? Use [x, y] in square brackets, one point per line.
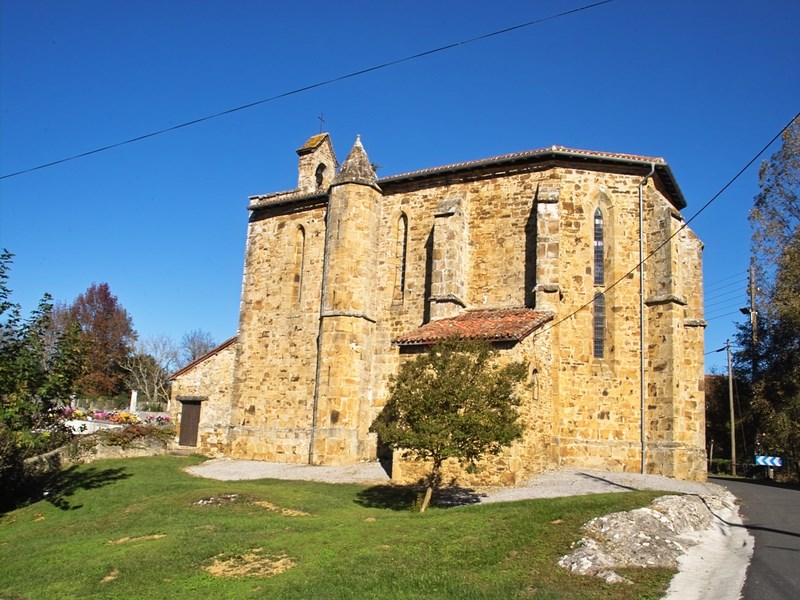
[703, 84]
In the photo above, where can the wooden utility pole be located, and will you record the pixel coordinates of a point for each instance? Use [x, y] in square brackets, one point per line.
[753, 311]
[733, 419]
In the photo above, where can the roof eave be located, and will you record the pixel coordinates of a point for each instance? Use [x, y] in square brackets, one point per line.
[642, 163]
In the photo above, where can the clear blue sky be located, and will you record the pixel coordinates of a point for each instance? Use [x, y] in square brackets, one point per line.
[703, 84]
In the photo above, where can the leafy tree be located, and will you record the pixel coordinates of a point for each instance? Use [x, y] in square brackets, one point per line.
[35, 375]
[195, 344]
[775, 219]
[453, 401]
[107, 330]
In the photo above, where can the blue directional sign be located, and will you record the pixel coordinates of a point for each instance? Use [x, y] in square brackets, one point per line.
[769, 461]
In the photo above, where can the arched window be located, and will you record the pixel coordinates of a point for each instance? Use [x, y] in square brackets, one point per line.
[299, 260]
[599, 269]
[599, 323]
[401, 251]
[319, 175]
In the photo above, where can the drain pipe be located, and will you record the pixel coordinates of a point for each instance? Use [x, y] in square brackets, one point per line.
[641, 315]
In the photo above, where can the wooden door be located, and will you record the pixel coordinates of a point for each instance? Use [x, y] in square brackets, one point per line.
[190, 422]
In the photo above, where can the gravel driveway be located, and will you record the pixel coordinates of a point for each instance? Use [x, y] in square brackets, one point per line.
[550, 484]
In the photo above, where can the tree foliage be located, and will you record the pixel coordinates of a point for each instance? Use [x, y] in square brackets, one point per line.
[36, 373]
[107, 331]
[453, 401]
[35, 370]
[775, 220]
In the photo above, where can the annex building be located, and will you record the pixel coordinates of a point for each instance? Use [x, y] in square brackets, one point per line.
[538, 251]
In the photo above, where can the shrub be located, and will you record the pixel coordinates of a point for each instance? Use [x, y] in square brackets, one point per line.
[135, 433]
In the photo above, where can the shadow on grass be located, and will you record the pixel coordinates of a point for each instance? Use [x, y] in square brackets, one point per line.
[409, 497]
[57, 486]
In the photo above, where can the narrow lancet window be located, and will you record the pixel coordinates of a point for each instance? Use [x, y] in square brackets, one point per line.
[599, 321]
[400, 260]
[599, 271]
[299, 260]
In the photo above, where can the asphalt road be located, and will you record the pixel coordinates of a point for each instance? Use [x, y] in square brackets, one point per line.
[771, 513]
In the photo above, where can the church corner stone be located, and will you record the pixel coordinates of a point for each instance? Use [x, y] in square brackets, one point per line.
[343, 270]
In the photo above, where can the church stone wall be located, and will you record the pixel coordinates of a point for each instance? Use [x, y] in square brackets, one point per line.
[278, 328]
[211, 380]
[402, 252]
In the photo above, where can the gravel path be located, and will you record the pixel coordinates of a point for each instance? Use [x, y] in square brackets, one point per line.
[550, 484]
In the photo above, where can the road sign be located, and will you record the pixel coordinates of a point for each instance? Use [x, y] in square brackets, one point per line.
[769, 461]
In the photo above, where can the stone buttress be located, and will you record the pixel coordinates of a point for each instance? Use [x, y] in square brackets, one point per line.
[348, 317]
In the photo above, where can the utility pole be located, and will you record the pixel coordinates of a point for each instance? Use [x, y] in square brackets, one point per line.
[733, 419]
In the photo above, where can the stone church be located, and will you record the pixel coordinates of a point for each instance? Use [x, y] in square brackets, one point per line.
[538, 252]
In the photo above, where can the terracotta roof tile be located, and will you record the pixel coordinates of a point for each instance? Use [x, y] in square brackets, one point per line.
[499, 325]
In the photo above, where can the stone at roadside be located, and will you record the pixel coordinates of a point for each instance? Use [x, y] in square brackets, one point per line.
[645, 537]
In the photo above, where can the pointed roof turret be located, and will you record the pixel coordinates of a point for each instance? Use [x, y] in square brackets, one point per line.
[357, 168]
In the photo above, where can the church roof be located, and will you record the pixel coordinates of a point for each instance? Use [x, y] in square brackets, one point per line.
[205, 356]
[494, 325]
[554, 153]
[366, 175]
[312, 143]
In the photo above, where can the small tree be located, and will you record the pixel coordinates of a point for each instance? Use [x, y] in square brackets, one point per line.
[108, 334]
[452, 402]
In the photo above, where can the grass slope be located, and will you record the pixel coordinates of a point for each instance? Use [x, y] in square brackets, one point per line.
[133, 529]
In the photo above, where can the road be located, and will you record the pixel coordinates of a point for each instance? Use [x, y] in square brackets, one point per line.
[771, 513]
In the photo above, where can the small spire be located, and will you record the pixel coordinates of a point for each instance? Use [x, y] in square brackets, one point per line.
[357, 168]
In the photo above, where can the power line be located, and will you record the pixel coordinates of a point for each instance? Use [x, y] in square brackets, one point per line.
[679, 230]
[736, 312]
[726, 298]
[728, 278]
[719, 288]
[306, 88]
[716, 283]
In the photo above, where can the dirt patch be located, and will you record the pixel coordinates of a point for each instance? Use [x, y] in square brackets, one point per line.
[111, 576]
[286, 512]
[222, 500]
[250, 564]
[125, 540]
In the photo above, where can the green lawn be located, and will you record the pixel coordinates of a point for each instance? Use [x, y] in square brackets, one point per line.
[134, 529]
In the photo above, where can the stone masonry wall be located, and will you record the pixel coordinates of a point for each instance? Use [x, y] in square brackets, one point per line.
[213, 380]
[521, 237]
[278, 328]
